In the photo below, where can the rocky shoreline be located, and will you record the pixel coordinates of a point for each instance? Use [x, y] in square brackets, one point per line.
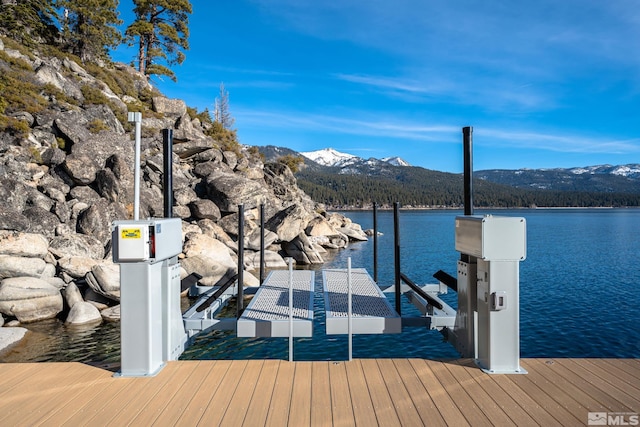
[69, 175]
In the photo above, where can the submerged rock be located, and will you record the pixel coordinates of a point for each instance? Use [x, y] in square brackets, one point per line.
[10, 336]
[111, 314]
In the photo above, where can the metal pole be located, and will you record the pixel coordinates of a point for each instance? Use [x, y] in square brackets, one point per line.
[240, 259]
[167, 145]
[467, 141]
[375, 242]
[262, 262]
[467, 148]
[349, 310]
[396, 235]
[290, 310]
[137, 119]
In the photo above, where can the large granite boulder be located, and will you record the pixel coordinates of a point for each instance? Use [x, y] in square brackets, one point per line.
[174, 108]
[97, 219]
[13, 220]
[72, 295]
[252, 239]
[214, 250]
[16, 266]
[23, 244]
[302, 250]
[76, 245]
[83, 313]
[320, 226]
[272, 260]
[289, 222]
[104, 279]
[354, 232]
[229, 190]
[211, 229]
[212, 271]
[205, 209]
[77, 267]
[41, 221]
[29, 299]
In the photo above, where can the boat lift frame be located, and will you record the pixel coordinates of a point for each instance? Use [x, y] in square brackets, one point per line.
[473, 326]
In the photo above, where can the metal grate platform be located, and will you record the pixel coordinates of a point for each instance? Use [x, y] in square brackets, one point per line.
[371, 312]
[267, 315]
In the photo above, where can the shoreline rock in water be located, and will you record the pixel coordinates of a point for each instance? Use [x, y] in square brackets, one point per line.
[69, 174]
[11, 336]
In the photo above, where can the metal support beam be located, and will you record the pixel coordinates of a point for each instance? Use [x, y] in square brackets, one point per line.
[467, 141]
[167, 145]
[396, 234]
[240, 304]
[375, 242]
[262, 261]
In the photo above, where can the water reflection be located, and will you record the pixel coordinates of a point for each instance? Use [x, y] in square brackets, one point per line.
[53, 341]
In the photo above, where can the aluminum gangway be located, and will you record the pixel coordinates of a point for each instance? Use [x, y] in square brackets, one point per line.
[371, 312]
[268, 313]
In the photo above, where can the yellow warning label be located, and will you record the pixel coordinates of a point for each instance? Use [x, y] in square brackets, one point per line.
[131, 233]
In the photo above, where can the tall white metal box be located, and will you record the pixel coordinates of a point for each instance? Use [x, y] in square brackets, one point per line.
[492, 238]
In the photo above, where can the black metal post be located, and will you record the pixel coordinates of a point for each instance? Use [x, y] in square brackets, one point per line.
[467, 141]
[467, 148]
[375, 242]
[396, 235]
[262, 262]
[167, 144]
[240, 259]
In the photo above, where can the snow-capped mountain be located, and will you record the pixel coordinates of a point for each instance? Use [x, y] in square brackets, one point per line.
[334, 158]
[600, 178]
[631, 170]
[331, 157]
[594, 179]
[396, 161]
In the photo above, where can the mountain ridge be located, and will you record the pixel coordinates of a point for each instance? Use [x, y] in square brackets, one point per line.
[360, 182]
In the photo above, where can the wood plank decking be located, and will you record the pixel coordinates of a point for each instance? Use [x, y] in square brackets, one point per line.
[367, 392]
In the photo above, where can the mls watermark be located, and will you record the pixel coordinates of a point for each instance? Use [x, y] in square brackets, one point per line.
[613, 419]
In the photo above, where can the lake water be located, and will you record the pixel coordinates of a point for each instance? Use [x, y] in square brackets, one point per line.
[579, 294]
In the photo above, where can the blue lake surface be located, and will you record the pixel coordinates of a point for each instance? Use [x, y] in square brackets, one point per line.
[579, 288]
[579, 294]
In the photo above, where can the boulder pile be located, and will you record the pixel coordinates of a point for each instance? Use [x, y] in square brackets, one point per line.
[71, 174]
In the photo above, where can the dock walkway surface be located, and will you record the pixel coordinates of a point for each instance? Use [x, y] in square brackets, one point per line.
[363, 392]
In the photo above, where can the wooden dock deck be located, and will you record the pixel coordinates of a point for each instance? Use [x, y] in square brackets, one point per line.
[363, 392]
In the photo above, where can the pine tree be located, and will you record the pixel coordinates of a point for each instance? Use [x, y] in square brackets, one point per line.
[29, 22]
[221, 112]
[90, 27]
[162, 29]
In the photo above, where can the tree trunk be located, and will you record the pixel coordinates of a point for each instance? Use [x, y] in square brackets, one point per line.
[142, 61]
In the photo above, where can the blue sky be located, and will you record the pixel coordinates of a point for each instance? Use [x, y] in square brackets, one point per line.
[544, 83]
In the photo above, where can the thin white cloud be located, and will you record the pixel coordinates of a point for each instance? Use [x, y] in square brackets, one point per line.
[342, 125]
[410, 86]
[489, 93]
[436, 133]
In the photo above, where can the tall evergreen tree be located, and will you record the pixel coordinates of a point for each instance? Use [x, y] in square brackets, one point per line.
[162, 29]
[90, 27]
[28, 21]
